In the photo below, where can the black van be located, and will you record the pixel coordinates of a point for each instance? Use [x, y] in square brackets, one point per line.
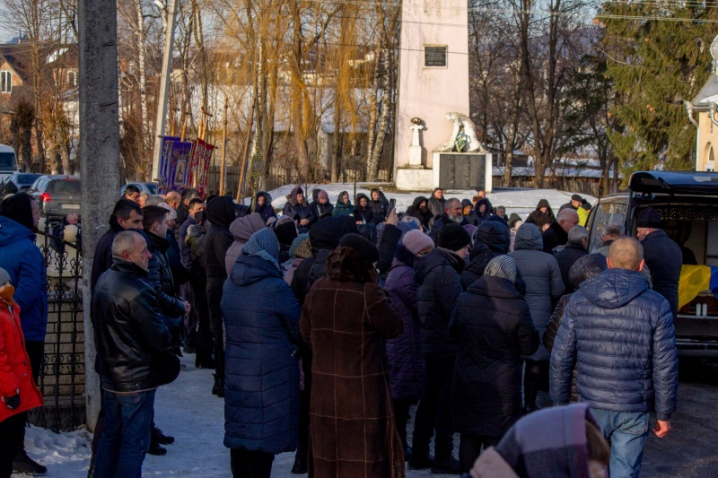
[688, 205]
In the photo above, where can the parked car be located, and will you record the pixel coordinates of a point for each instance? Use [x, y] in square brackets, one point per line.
[18, 182]
[58, 195]
[688, 205]
[149, 188]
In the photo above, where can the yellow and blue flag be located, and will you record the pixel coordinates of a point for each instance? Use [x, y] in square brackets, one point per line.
[694, 280]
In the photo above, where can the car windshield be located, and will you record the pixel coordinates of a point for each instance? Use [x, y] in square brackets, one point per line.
[25, 179]
[152, 187]
[65, 186]
[7, 162]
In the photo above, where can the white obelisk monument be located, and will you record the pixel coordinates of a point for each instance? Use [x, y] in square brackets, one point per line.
[433, 80]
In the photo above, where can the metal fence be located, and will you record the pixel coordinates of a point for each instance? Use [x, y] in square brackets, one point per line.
[62, 376]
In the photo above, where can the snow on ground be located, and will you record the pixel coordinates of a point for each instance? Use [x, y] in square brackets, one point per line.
[518, 200]
[186, 410]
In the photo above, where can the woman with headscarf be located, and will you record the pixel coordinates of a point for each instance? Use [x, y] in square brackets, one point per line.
[406, 362]
[220, 214]
[487, 376]
[262, 398]
[345, 319]
[344, 205]
[242, 229]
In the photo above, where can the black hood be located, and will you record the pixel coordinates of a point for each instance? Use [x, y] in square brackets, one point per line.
[418, 200]
[327, 232]
[220, 211]
[481, 202]
[493, 234]
[17, 207]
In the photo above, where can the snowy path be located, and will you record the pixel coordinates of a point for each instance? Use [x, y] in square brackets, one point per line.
[184, 409]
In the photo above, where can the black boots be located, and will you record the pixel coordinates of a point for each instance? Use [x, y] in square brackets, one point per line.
[24, 465]
[218, 387]
[531, 385]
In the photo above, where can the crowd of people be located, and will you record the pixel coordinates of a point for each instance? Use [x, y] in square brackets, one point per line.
[326, 325]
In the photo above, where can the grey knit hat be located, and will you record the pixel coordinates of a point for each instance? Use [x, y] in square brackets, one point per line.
[4, 276]
[503, 267]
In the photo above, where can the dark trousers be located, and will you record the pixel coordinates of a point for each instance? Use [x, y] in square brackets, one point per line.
[192, 319]
[12, 430]
[126, 437]
[401, 416]
[205, 341]
[470, 448]
[251, 464]
[214, 299]
[36, 353]
[434, 411]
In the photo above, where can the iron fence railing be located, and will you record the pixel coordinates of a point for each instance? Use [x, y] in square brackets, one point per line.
[62, 376]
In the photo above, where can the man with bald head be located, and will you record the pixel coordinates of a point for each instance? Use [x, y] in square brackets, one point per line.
[131, 334]
[620, 334]
[556, 236]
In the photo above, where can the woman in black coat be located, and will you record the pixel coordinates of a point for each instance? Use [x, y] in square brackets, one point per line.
[420, 210]
[362, 211]
[487, 376]
[542, 215]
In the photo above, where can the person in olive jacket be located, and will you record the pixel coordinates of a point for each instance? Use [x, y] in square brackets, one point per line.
[487, 377]
[130, 334]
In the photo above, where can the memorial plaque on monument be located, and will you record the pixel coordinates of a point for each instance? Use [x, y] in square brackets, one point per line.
[435, 55]
[462, 171]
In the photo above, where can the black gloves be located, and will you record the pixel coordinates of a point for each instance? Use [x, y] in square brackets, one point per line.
[12, 402]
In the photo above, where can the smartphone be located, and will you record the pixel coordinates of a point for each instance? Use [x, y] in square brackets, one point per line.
[392, 204]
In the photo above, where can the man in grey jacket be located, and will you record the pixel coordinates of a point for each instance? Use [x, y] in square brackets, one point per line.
[622, 337]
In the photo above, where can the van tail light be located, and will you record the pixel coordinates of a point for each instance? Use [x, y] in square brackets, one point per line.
[45, 197]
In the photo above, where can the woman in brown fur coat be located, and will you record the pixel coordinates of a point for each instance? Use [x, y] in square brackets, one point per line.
[345, 320]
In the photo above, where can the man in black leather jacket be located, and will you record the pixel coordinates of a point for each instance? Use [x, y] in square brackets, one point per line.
[131, 333]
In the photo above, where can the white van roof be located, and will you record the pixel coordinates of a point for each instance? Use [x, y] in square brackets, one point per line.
[6, 149]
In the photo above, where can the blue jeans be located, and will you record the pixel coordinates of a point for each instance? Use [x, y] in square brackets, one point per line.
[126, 437]
[627, 433]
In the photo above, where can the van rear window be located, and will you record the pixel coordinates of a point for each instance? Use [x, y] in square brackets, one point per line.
[7, 162]
[65, 186]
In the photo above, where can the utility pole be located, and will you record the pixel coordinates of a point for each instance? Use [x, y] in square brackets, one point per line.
[100, 153]
[164, 88]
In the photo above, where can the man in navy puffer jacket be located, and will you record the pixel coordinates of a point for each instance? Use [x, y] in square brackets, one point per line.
[622, 337]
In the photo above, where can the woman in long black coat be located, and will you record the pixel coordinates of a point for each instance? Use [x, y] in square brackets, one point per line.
[487, 376]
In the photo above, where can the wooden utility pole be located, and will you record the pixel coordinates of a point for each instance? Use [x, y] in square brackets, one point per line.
[222, 171]
[100, 153]
[160, 123]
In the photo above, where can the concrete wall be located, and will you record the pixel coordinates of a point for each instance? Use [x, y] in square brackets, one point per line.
[707, 140]
[430, 93]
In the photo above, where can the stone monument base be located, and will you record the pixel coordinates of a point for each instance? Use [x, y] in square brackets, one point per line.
[414, 179]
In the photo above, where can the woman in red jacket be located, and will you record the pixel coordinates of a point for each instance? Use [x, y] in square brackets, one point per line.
[18, 392]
